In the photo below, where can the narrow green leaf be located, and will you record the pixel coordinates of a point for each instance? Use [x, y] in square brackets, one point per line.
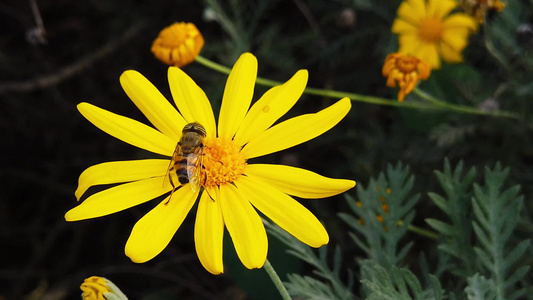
[440, 202]
[440, 226]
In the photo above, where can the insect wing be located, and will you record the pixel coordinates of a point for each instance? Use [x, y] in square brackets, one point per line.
[171, 169]
[194, 169]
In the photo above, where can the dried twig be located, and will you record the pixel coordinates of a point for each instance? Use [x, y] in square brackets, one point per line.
[72, 69]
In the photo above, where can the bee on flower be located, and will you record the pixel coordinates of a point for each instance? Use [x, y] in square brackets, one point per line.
[405, 71]
[209, 163]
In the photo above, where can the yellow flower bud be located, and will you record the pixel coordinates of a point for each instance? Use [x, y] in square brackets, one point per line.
[404, 70]
[99, 288]
[178, 44]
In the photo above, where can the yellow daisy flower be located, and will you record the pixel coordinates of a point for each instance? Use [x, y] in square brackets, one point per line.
[235, 189]
[178, 44]
[428, 31]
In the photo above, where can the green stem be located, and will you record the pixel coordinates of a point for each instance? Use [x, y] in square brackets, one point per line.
[432, 102]
[421, 231]
[493, 51]
[464, 109]
[277, 281]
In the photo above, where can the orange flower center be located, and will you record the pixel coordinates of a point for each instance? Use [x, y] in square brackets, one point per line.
[407, 64]
[430, 30]
[223, 161]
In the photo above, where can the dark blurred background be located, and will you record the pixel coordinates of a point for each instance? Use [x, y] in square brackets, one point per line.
[81, 48]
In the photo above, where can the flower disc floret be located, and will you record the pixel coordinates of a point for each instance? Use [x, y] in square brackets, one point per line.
[223, 162]
[431, 30]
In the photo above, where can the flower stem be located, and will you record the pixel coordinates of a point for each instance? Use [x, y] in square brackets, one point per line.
[493, 51]
[277, 281]
[464, 109]
[432, 102]
[421, 231]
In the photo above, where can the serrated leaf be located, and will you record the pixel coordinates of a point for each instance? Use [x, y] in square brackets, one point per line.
[377, 224]
[497, 212]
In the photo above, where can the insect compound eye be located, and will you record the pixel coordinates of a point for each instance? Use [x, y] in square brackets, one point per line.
[194, 127]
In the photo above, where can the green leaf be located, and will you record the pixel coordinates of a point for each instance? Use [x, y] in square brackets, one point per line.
[456, 204]
[497, 212]
[380, 207]
[308, 287]
[480, 288]
[395, 283]
[441, 227]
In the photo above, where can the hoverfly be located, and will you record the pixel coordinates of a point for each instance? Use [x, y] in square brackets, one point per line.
[187, 160]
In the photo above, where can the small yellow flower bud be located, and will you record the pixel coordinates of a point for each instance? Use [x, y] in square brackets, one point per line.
[178, 44]
[99, 288]
[404, 70]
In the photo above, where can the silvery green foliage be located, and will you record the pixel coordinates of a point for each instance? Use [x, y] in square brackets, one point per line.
[456, 204]
[380, 239]
[480, 288]
[478, 244]
[497, 212]
[305, 287]
[396, 284]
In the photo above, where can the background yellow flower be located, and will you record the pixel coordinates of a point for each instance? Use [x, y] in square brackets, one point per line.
[427, 30]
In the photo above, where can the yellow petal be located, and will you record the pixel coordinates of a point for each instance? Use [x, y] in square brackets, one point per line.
[152, 104]
[120, 171]
[456, 39]
[412, 11]
[191, 100]
[152, 233]
[244, 226]
[409, 43]
[209, 233]
[296, 130]
[118, 198]
[400, 26]
[449, 54]
[298, 182]
[237, 95]
[437, 9]
[428, 53]
[460, 21]
[272, 105]
[128, 130]
[288, 213]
